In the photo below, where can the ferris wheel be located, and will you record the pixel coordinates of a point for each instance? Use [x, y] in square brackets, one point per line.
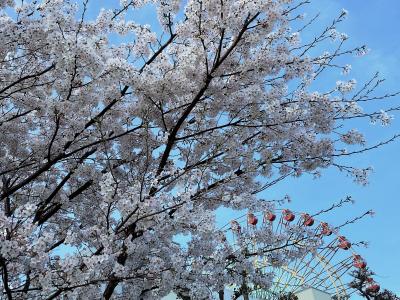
[323, 268]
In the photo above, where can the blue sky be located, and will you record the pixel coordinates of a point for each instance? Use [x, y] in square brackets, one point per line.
[376, 24]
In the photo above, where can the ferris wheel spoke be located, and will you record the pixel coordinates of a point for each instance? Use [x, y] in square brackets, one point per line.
[333, 277]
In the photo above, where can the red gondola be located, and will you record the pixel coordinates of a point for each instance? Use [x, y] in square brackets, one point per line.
[344, 243]
[288, 215]
[252, 219]
[373, 288]
[359, 262]
[269, 216]
[308, 220]
[325, 229]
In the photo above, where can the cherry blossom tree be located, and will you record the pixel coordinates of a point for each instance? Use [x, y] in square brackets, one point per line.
[110, 150]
